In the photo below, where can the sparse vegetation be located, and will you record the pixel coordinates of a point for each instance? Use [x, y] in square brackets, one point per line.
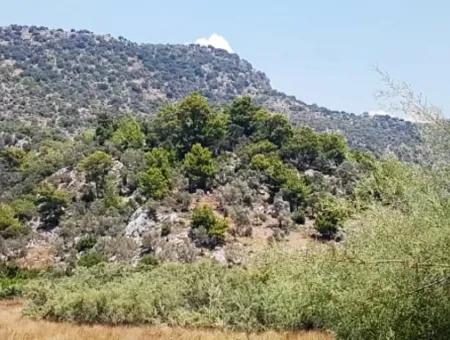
[150, 215]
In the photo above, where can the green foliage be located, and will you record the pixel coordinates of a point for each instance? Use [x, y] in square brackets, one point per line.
[388, 282]
[86, 243]
[162, 159]
[148, 261]
[153, 183]
[207, 229]
[308, 149]
[13, 156]
[200, 167]
[128, 134]
[13, 279]
[51, 203]
[96, 166]
[10, 225]
[387, 183]
[298, 217]
[91, 259]
[190, 122]
[330, 215]
[282, 177]
[242, 112]
[156, 181]
[24, 208]
[111, 197]
[273, 127]
[263, 147]
[47, 158]
[364, 159]
[105, 127]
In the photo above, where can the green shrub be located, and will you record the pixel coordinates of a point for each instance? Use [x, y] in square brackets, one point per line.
[49, 156]
[86, 243]
[10, 225]
[207, 229]
[111, 197]
[387, 183]
[156, 181]
[281, 176]
[96, 166]
[308, 149]
[242, 113]
[263, 147]
[13, 156]
[91, 259]
[298, 217]
[153, 183]
[24, 208]
[199, 167]
[189, 122]
[330, 214]
[148, 261]
[128, 134]
[51, 203]
[13, 279]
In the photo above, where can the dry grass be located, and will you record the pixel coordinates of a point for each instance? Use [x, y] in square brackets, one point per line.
[15, 327]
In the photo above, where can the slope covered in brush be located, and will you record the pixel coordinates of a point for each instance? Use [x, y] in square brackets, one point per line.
[65, 79]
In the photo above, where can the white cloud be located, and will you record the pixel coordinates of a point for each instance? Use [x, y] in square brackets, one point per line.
[393, 114]
[379, 113]
[215, 40]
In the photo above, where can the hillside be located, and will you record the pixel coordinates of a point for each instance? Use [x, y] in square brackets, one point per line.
[129, 198]
[65, 79]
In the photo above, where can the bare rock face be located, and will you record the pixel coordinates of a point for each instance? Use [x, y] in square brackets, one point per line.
[139, 224]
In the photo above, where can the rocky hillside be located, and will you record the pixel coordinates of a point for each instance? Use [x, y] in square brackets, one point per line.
[192, 181]
[64, 79]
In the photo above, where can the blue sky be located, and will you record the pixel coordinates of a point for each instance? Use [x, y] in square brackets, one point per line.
[323, 52]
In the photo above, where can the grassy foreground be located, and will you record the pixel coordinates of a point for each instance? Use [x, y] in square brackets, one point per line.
[15, 327]
[387, 280]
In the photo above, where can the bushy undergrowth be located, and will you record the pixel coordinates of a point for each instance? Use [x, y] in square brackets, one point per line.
[389, 280]
[13, 279]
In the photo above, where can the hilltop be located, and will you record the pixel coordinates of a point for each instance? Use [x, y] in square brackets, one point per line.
[65, 79]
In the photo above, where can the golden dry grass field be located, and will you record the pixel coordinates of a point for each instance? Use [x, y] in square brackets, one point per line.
[13, 326]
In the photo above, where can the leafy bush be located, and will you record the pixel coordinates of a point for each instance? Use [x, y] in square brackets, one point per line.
[13, 279]
[96, 166]
[207, 229]
[111, 197]
[148, 261]
[191, 121]
[308, 149]
[199, 167]
[91, 259]
[330, 214]
[13, 156]
[24, 208]
[156, 181]
[10, 225]
[282, 177]
[51, 203]
[242, 112]
[86, 243]
[298, 217]
[153, 183]
[128, 134]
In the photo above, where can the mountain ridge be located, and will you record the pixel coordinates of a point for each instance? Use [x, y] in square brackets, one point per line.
[63, 79]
